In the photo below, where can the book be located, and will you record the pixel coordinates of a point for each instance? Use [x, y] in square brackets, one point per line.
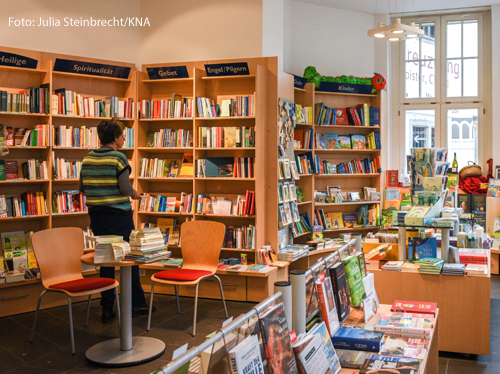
[327, 303]
[392, 178]
[331, 356]
[245, 358]
[340, 290]
[408, 347]
[358, 141]
[237, 268]
[258, 268]
[337, 220]
[331, 141]
[352, 359]
[344, 142]
[493, 188]
[358, 339]
[276, 338]
[405, 323]
[310, 354]
[350, 220]
[414, 307]
[354, 280]
[394, 365]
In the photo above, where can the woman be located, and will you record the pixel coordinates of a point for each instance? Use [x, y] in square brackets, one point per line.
[105, 181]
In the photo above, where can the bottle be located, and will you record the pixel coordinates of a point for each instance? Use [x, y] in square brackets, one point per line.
[454, 165]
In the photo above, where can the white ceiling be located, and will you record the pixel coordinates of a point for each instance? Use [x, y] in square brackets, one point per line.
[400, 6]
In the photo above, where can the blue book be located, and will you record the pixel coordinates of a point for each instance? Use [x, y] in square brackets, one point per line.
[358, 339]
[219, 167]
[419, 248]
[331, 141]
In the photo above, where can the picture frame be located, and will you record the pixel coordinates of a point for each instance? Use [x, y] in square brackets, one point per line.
[281, 171]
[285, 192]
[286, 168]
[293, 192]
[294, 170]
[280, 193]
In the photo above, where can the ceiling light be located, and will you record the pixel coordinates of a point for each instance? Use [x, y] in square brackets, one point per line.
[403, 31]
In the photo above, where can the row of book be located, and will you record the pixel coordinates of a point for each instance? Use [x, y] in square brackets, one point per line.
[226, 137]
[77, 137]
[32, 169]
[65, 169]
[27, 204]
[229, 167]
[168, 204]
[240, 106]
[39, 136]
[33, 100]
[68, 202]
[176, 107]
[304, 114]
[221, 205]
[365, 216]
[165, 168]
[303, 138]
[70, 103]
[169, 138]
[356, 166]
[352, 141]
[241, 237]
[362, 115]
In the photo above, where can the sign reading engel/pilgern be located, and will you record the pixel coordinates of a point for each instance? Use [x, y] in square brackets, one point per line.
[18, 61]
[222, 70]
[168, 72]
[91, 68]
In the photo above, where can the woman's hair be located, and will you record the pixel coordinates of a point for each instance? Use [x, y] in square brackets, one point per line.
[109, 131]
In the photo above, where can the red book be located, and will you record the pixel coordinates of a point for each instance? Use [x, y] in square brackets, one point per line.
[414, 307]
[341, 117]
[392, 178]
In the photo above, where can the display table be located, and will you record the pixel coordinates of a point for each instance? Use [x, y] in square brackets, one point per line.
[463, 302]
[126, 350]
[430, 364]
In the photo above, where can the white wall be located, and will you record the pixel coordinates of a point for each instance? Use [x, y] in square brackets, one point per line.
[194, 30]
[495, 79]
[111, 43]
[334, 41]
[273, 26]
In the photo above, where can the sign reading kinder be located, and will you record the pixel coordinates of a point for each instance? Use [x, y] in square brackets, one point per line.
[222, 70]
[91, 68]
[168, 72]
[11, 59]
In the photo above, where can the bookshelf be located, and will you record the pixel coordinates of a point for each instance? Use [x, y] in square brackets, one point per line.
[308, 96]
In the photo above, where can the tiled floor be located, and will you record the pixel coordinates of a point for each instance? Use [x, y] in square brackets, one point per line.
[51, 350]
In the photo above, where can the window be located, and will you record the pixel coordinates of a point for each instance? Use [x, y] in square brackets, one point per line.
[440, 94]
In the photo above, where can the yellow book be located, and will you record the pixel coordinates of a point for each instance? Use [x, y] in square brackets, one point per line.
[337, 221]
[39, 203]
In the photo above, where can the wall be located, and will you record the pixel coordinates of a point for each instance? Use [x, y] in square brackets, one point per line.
[192, 30]
[112, 43]
[495, 79]
[334, 41]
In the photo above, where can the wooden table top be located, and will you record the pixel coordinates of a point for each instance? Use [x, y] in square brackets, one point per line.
[88, 259]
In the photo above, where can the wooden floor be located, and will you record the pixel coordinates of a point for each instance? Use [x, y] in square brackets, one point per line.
[50, 353]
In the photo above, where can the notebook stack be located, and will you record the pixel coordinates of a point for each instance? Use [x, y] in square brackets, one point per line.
[476, 270]
[454, 269]
[104, 248]
[429, 265]
[147, 245]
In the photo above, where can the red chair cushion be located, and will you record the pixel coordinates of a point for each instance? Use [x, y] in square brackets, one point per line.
[82, 285]
[182, 274]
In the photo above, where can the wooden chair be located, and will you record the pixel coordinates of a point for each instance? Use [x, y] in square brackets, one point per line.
[201, 243]
[58, 252]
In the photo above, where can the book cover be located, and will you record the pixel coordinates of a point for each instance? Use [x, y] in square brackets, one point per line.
[408, 347]
[310, 354]
[327, 303]
[336, 219]
[331, 356]
[358, 141]
[340, 290]
[414, 307]
[344, 141]
[276, 338]
[350, 219]
[421, 248]
[219, 167]
[245, 358]
[392, 178]
[331, 141]
[464, 202]
[394, 365]
[405, 324]
[341, 117]
[229, 137]
[150, 139]
[494, 188]
[358, 339]
[354, 280]
[352, 359]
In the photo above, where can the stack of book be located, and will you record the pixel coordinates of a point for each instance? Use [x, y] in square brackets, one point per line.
[454, 269]
[410, 267]
[430, 265]
[393, 265]
[147, 245]
[104, 247]
[473, 256]
[386, 364]
[293, 252]
[476, 270]
[406, 323]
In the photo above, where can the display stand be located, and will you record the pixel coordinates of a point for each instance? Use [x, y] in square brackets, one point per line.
[445, 240]
[195, 351]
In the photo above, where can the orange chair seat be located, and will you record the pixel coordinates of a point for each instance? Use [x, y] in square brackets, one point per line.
[82, 285]
[182, 274]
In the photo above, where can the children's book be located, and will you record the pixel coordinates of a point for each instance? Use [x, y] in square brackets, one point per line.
[331, 141]
[341, 117]
[493, 188]
[350, 220]
[344, 141]
[337, 220]
[358, 141]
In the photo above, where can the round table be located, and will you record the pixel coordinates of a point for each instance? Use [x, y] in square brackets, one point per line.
[126, 350]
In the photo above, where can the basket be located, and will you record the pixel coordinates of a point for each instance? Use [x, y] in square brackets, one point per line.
[471, 171]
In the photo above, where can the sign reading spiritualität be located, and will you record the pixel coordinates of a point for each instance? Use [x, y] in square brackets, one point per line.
[91, 68]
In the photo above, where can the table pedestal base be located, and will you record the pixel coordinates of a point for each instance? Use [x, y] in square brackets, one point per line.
[108, 353]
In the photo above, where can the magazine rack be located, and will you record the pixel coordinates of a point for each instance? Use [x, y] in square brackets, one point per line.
[221, 334]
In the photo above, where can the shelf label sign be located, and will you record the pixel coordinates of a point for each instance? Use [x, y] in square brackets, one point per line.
[18, 61]
[168, 72]
[299, 82]
[224, 70]
[91, 68]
